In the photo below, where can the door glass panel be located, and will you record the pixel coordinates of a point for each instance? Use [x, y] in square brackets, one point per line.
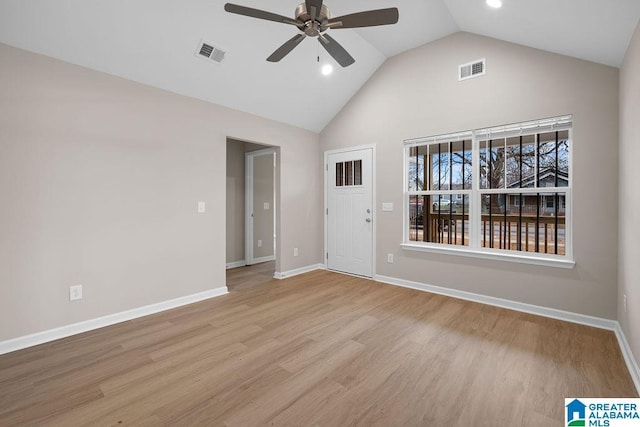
[348, 171]
[357, 172]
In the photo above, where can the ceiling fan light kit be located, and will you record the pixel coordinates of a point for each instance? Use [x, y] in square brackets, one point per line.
[313, 19]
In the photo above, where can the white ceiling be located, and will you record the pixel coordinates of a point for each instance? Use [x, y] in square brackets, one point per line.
[154, 41]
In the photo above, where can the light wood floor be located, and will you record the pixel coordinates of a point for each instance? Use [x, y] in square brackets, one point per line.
[317, 349]
[247, 278]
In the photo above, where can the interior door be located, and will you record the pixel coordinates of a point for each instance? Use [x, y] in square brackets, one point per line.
[260, 206]
[350, 212]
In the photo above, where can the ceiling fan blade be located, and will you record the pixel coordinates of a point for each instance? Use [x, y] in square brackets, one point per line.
[369, 18]
[260, 14]
[336, 50]
[287, 47]
[313, 8]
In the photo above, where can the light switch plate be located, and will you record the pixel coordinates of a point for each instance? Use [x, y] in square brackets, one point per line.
[387, 206]
[201, 207]
[266, 205]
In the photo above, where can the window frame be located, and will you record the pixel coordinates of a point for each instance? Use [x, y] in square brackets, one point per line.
[440, 194]
[474, 247]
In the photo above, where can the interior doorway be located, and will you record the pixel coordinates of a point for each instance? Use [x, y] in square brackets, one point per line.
[251, 184]
[259, 208]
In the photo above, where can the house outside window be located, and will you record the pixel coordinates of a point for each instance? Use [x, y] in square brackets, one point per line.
[501, 190]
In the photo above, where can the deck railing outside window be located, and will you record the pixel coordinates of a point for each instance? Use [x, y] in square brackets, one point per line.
[498, 189]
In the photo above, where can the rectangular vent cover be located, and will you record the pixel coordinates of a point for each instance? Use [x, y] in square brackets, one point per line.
[208, 51]
[472, 69]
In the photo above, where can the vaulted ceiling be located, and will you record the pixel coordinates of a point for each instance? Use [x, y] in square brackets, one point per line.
[154, 43]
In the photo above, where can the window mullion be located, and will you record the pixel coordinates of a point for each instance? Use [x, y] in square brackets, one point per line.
[475, 217]
[569, 201]
[406, 209]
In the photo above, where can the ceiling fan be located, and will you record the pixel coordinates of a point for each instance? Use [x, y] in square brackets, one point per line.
[313, 19]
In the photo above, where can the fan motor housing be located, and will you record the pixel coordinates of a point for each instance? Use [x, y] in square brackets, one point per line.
[312, 27]
[304, 15]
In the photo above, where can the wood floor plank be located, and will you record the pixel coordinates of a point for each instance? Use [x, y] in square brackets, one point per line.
[259, 411]
[319, 349]
[170, 370]
[214, 407]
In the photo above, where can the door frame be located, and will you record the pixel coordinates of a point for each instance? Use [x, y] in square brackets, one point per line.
[248, 205]
[374, 216]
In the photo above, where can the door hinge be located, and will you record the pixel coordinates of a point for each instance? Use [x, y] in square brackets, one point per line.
[326, 167]
[327, 255]
[327, 211]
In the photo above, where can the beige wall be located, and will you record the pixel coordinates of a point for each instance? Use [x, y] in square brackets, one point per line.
[629, 173]
[99, 180]
[263, 192]
[417, 94]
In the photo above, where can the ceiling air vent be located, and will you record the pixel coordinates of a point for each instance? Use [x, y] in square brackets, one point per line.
[208, 51]
[472, 69]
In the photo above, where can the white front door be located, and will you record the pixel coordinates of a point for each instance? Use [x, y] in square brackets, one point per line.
[350, 212]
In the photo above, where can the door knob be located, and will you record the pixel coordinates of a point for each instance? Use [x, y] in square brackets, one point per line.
[368, 219]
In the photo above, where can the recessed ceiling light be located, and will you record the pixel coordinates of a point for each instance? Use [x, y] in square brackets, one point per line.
[327, 69]
[495, 3]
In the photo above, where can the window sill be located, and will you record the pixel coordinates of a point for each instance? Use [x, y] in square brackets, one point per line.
[523, 259]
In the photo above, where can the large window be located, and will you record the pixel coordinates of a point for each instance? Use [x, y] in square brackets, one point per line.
[502, 190]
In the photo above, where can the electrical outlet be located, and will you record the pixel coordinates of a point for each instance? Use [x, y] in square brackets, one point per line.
[295, 251]
[624, 302]
[390, 258]
[75, 292]
[259, 243]
[202, 207]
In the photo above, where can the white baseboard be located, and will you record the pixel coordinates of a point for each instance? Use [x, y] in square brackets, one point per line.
[242, 263]
[263, 259]
[583, 319]
[295, 272]
[634, 370]
[236, 264]
[553, 313]
[100, 322]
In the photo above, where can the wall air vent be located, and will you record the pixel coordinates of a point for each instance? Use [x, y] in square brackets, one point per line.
[210, 52]
[472, 69]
